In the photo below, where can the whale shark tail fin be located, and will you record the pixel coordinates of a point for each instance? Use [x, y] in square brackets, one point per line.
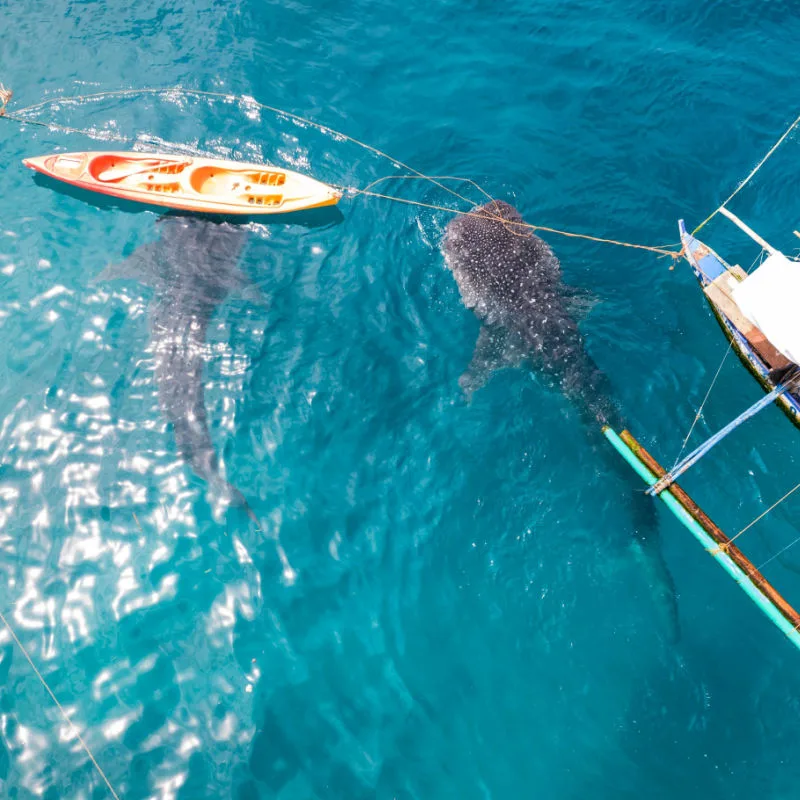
[645, 544]
[251, 515]
[238, 499]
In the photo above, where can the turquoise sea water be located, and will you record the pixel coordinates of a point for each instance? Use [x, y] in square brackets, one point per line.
[467, 619]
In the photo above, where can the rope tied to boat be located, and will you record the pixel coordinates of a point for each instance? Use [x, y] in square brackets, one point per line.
[662, 252]
[723, 548]
[436, 180]
[749, 177]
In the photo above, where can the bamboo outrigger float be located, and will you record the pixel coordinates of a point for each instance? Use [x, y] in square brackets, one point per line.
[756, 313]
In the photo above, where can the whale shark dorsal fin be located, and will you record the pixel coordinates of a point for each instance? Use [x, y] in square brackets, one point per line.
[495, 349]
[252, 293]
[138, 266]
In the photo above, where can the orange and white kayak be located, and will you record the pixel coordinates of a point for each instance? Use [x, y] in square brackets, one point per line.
[188, 183]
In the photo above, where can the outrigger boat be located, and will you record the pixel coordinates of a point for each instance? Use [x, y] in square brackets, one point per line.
[758, 314]
[206, 185]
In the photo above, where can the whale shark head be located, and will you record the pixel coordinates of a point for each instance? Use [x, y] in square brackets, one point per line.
[480, 232]
[485, 228]
[498, 262]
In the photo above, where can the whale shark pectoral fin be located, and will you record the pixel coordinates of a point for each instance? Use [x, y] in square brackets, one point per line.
[495, 349]
[138, 266]
[579, 302]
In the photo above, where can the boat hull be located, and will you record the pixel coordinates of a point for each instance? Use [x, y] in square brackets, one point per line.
[187, 183]
[707, 267]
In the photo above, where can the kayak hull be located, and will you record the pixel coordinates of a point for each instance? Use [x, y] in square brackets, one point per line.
[188, 183]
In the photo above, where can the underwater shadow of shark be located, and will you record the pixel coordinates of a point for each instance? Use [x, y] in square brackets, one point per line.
[511, 279]
[192, 267]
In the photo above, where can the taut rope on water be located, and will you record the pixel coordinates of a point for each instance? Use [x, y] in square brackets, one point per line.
[509, 225]
[749, 177]
[61, 708]
[19, 117]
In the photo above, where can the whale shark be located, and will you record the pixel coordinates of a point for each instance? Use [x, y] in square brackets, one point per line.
[512, 280]
[192, 267]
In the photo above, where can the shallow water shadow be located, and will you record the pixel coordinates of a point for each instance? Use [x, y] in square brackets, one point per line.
[312, 218]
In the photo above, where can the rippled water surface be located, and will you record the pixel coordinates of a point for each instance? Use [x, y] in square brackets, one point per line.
[442, 600]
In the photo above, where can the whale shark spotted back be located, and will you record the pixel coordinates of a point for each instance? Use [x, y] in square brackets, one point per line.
[512, 280]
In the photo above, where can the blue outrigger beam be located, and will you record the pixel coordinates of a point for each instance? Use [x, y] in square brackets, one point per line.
[693, 457]
[716, 543]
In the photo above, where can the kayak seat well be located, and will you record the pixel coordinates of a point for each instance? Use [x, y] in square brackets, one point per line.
[212, 180]
[109, 168]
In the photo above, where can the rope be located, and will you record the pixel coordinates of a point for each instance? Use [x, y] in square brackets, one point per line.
[355, 192]
[60, 708]
[423, 177]
[92, 134]
[749, 177]
[699, 413]
[529, 226]
[779, 553]
[761, 516]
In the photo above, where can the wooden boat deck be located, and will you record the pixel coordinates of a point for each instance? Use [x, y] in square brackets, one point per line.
[719, 294]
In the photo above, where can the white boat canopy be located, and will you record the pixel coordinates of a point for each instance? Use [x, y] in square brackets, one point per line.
[770, 298]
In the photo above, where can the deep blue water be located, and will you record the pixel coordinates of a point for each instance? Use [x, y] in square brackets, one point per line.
[467, 618]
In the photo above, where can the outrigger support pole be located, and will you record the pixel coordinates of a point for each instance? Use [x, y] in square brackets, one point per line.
[748, 230]
[670, 477]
